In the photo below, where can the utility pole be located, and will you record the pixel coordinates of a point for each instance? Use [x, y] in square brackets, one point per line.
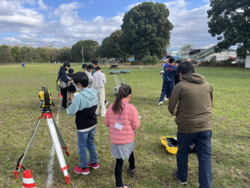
[82, 55]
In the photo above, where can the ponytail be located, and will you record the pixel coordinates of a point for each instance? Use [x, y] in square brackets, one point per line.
[123, 92]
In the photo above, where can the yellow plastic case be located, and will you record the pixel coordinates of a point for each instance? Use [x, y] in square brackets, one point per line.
[172, 150]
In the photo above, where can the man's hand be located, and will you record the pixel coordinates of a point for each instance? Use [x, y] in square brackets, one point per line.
[160, 73]
[70, 79]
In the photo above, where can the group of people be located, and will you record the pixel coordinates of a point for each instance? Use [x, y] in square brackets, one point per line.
[96, 80]
[191, 101]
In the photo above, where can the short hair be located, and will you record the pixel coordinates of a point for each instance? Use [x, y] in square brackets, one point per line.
[90, 67]
[185, 68]
[168, 56]
[84, 66]
[171, 60]
[178, 61]
[98, 68]
[71, 71]
[66, 64]
[82, 78]
[94, 62]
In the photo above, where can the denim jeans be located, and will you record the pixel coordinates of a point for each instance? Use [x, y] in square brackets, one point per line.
[202, 140]
[86, 140]
[167, 89]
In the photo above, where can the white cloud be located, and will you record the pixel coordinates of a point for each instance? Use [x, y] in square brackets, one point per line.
[190, 26]
[131, 6]
[42, 6]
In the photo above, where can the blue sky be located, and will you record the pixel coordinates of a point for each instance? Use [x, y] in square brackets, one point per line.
[63, 23]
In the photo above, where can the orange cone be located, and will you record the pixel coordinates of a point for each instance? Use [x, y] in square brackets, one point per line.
[60, 95]
[28, 181]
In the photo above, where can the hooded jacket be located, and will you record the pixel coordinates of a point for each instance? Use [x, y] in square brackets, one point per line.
[191, 102]
[84, 106]
[62, 74]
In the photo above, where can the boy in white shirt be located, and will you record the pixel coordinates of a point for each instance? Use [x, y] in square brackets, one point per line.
[99, 81]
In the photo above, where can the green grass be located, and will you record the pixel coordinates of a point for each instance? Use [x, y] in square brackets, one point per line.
[155, 166]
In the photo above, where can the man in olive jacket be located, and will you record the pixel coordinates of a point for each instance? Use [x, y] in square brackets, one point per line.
[191, 102]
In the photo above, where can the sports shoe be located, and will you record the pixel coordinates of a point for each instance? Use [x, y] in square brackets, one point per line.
[106, 103]
[63, 108]
[160, 103]
[176, 177]
[95, 166]
[165, 99]
[80, 170]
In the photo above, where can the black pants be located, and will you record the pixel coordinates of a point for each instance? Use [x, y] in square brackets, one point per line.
[64, 94]
[118, 169]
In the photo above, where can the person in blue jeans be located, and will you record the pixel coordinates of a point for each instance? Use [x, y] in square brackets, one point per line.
[169, 80]
[84, 106]
[192, 102]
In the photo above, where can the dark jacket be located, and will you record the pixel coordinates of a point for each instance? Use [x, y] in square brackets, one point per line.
[191, 102]
[62, 74]
[169, 73]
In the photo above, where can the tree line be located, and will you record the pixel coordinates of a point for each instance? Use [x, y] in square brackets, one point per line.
[26, 53]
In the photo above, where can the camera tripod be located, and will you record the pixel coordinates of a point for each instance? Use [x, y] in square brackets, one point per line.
[57, 139]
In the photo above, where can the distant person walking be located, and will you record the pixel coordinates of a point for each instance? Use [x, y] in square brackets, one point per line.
[192, 102]
[23, 65]
[62, 77]
[89, 70]
[122, 119]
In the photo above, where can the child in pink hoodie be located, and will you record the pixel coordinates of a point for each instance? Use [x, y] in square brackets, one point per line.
[122, 119]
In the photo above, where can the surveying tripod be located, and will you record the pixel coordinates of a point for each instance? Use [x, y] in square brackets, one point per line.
[57, 139]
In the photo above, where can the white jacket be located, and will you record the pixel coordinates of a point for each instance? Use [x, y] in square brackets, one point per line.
[90, 78]
[99, 80]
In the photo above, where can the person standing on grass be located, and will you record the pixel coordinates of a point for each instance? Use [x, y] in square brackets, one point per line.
[71, 88]
[84, 106]
[84, 67]
[95, 64]
[99, 81]
[122, 119]
[63, 76]
[165, 64]
[23, 65]
[192, 102]
[89, 70]
[169, 80]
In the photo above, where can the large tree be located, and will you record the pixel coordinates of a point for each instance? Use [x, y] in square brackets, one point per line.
[186, 47]
[230, 23]
[104, 51]
[146, 30]
[89, 50]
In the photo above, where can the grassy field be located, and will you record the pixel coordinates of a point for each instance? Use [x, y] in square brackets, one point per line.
[19, 112]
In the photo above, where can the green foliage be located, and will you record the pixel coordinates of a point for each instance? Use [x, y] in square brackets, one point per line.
[146, 28]
[226, 63]
[229, 21]
[17, 54]
[150, 60]
[5, 53]
[64, 54]
[89, 50]
[186, 47]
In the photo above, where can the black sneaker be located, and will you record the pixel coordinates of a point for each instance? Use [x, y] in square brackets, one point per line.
[106, 103]
[63, 108]
[176, 177]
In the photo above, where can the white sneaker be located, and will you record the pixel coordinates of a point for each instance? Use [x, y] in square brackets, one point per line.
[166, 99]
[160, 103]
[106, 103]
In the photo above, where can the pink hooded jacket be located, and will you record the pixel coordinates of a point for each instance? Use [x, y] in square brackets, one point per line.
[130, 120]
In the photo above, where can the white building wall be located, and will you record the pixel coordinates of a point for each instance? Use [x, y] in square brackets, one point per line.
[247, 64]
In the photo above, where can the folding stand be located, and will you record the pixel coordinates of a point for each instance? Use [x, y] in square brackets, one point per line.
[57, 139]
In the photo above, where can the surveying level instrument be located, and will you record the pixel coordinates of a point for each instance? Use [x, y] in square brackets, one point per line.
[56, 136]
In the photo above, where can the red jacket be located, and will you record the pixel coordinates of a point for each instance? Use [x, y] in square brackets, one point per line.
[130, 120]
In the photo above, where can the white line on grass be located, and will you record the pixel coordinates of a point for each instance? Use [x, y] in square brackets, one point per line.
[52, 154]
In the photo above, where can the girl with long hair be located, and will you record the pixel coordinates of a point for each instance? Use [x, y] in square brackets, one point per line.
[122, 119]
